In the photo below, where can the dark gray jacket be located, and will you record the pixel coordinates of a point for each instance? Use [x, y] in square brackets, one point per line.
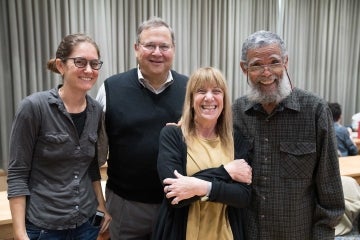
[49, 162]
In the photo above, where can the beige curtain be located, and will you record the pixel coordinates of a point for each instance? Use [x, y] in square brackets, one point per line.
[322, 37]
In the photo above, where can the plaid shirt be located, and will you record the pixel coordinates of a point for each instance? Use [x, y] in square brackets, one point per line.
[297, 192]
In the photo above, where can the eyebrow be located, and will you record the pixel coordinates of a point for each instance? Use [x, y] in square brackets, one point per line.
[257, 59]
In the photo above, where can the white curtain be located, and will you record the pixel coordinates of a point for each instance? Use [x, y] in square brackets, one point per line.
[322, 37]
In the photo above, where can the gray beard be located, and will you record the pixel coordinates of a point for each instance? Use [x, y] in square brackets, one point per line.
[255, 94]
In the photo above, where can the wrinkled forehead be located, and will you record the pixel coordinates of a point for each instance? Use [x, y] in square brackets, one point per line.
[264, 53]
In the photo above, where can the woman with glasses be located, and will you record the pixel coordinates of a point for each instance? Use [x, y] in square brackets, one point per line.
[54, 185]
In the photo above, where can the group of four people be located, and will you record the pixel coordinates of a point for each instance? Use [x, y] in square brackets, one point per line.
[264, 167]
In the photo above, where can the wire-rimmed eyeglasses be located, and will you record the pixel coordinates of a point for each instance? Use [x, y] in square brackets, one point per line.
[272, 68]
[81, 62]
[152, 47]
[259, 69]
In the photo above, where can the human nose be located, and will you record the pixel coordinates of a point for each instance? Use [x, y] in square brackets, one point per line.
[209, 95]
[88, 68]
[157, 50]
[267, 70]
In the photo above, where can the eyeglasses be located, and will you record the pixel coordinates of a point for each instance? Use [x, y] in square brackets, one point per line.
[82, 62]
[287, 74]
[152, 47]
[261, 68]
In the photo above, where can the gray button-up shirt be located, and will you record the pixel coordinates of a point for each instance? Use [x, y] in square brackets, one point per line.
[49, 162]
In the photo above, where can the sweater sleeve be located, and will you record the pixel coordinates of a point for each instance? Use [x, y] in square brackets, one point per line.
[171, 157]
[225, 190]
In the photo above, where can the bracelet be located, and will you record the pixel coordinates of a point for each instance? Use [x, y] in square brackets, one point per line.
[206, 197]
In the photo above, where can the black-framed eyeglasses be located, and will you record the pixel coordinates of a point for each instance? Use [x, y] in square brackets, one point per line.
[81, 62]
[152, 47]
[275, 67]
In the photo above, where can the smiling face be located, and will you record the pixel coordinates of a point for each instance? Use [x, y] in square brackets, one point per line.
[79, 79]
[155, 64]
[208, 103]
[265, 68]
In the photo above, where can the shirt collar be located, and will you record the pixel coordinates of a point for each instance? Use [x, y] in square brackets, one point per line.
[54, 98]
[143, 82]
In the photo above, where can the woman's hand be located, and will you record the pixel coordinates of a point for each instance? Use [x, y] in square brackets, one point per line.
[106, 219]
[239, 170]
[184, 187]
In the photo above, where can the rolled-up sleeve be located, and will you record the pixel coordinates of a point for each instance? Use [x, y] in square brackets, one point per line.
[22, 141]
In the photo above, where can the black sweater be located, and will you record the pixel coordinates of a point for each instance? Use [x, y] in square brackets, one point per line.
[134, 118]
[172, 219]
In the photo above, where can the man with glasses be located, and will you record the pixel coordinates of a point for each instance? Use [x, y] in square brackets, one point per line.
[138, 104]
[297, 192]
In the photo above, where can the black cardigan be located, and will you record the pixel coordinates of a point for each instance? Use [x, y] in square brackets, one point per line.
[172, 219]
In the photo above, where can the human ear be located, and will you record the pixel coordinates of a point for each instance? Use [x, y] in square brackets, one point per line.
[60, 66]
[286, 61]
[243, 66]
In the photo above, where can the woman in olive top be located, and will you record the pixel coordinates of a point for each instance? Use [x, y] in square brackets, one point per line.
[201, 199]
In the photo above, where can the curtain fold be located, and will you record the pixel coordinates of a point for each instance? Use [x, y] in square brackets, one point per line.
[322, 37]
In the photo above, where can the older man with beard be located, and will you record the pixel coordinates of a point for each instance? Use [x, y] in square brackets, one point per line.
[297, 192]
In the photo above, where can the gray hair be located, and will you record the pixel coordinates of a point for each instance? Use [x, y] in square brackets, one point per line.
[261, 39]
[152, 23]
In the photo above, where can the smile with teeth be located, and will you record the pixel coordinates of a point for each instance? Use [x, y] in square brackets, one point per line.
[209, 107]
[267, 82]
[86, 78]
